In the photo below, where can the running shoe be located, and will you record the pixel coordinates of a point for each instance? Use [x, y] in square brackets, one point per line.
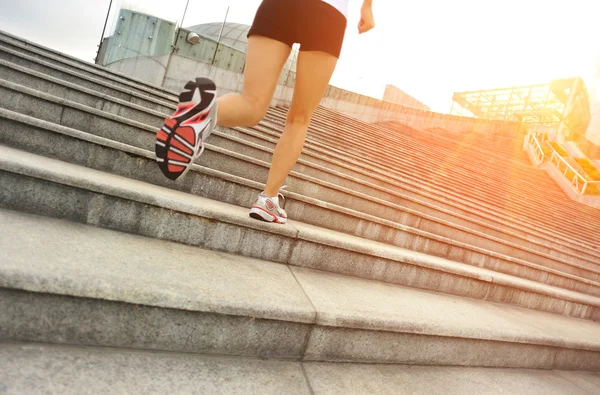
[181, 139]
[267, 209]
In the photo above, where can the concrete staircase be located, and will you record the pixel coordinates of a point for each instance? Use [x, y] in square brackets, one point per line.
[404, 247]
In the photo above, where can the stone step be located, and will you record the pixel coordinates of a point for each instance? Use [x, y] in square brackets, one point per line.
[171, 108]
[424, 139]
[253, 143]
[65, 61]
[52, 188]
[35, 103]
[400, 190]
[461, 154]
[477, 159]
[448, 240]
[30, 368]
[158, 117]
[95, 83]
[69, 91]
[378, 140]
[520, 207]
[68, 283]
[381, 154]
[343, 197]
[508, 148]
[14, 76]
[373, 141]
[355, 141]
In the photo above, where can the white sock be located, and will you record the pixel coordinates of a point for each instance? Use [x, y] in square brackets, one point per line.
[274, 199]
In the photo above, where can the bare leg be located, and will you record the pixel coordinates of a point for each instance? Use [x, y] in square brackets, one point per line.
[264, 61]
[313, 73]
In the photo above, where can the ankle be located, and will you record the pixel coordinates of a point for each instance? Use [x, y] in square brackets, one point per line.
[274, 197]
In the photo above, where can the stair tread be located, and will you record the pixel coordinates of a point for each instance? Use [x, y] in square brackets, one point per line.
[101, 263]
[37, 368]
[107, 183]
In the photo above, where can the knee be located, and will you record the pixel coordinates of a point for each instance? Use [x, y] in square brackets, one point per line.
[300, 118]
[258, 111]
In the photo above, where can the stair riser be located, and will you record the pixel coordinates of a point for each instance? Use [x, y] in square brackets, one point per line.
[144, 117]
[28, 316]
[430, 196]
[132, 96]
[426, 173]
[59, 319]
[38, 139]
[36, 196]
[79, 66]
[114, 129]
[96, 101]
[559, 252]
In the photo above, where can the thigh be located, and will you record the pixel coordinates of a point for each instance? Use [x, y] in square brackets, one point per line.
[313, 72]
[265, 59]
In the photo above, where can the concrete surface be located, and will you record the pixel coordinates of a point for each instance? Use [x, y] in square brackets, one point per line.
[88, 262]
[467, 246]
[96, 83]
[21, 40]
[39, 369]
[79, 94]
[92, 286]
[387, 307]
[36, 51]
[145, 209]
[375, 185]
[67, 117]
[385, 379]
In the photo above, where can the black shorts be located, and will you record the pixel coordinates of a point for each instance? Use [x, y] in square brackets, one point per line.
[314, 24]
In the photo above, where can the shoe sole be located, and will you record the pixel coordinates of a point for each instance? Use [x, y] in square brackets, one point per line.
[261, 215]
[175, 144]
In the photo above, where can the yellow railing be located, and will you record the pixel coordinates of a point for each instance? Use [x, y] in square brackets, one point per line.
[536, 146]
[578, 182]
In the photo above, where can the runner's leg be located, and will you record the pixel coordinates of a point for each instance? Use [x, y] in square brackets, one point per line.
[265, 59]
[313, 73]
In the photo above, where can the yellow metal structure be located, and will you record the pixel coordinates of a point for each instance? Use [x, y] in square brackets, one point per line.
[562, 104]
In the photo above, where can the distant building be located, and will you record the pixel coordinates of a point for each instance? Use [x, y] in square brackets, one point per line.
[562, 105]
[395, 95]
[154, 50]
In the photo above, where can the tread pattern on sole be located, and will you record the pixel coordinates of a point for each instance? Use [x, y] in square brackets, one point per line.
[177, 143]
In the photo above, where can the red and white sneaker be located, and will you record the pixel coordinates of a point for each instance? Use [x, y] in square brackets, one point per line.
[181, 139]
[268, 209]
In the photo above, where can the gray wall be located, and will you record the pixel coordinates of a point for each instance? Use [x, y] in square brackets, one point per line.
[137, 35]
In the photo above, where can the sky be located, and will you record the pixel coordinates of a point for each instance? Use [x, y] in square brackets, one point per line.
[428, 48]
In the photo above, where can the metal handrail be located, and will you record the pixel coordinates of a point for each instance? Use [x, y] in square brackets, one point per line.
[540, 151]
[576, 175]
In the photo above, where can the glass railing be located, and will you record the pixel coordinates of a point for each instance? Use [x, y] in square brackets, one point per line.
[169, 43]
